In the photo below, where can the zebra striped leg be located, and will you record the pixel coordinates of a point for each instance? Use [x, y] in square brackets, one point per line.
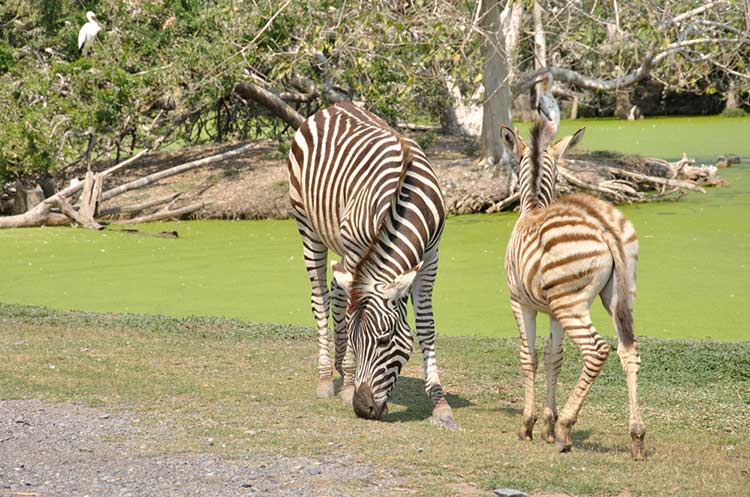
[526, 321]
[630, 360]
[344, 366]
[316, 255]
[348, 365]
[553, 358]
[338, 311]
[594, 350]
[421, 296]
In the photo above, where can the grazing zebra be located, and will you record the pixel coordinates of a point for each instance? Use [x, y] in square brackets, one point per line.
[560, 256]
[360, 189]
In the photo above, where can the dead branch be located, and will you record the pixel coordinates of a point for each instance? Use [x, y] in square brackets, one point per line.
[163, 214]
[158, 176]
[67, 192]
[504, 203]
[687, 185]
[138, 207]
[42, 215]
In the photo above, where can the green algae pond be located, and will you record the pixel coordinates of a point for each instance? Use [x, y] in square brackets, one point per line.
[693, 279]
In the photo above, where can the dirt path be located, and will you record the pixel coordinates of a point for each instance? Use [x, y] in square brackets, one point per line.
[70, 450]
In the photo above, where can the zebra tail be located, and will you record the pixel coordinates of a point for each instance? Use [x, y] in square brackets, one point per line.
[623, 315]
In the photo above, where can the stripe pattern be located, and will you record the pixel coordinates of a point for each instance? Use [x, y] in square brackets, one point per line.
[562, 254]
[363, 191]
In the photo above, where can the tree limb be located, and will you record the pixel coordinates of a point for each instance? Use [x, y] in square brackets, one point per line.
[271, 101]
[157, 176]
[163, 214]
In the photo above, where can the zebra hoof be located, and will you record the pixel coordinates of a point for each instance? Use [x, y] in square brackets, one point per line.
[527, 428]
[563, 441]
[548, 428]
[347, 395]
[638, 449]
[446, 422]
[325, 388]
[442, 416]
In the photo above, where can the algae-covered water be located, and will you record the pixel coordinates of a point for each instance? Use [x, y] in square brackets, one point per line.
[693, 280]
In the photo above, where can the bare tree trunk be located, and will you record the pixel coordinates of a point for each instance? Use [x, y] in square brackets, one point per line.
[540, 42]
[497, 96]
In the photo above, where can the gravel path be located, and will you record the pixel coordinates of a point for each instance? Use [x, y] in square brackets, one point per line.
[71, 450]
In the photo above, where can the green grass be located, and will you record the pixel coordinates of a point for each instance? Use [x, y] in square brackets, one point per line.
[221, 378]
[692, 280]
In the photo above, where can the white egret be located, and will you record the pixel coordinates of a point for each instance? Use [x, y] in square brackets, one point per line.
[88, 32]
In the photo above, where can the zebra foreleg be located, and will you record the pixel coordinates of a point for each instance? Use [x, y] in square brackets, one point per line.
[421, 295]
[526, 321]
[316, 254]
[553, 358]
[594, 350]
[338, 311]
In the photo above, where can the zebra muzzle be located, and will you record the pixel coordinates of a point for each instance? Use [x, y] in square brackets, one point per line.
[364, 403]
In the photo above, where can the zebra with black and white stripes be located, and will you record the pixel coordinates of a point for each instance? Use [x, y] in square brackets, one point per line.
[363, 191]
[562, 254]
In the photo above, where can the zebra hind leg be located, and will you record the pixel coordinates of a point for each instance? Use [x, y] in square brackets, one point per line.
[526, 321]
[630, 360]
[594, 350]
[553, 358]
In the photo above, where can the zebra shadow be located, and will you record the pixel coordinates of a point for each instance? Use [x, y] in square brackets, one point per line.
[409, 392]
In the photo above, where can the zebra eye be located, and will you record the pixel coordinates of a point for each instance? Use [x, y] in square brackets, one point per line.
[384, 339]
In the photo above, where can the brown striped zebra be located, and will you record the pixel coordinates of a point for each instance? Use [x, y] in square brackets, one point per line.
[363, 191]
[562, 254]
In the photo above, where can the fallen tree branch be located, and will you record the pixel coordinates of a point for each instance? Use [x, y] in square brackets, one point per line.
[504, 203]
[42, 215]
[687, 185]
[158, 176]
[138, 207]
[67, 192]
[163, 214]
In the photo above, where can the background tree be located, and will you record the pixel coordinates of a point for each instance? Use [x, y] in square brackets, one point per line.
[170, 73]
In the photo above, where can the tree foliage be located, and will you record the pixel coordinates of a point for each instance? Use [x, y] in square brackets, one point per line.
[168, 67]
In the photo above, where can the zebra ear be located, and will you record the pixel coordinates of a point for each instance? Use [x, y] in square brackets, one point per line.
[341, 275]
[509, 138]
[399, 288]
[512, 142]
[561, 146]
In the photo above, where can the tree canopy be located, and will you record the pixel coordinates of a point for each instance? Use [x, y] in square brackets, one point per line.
[164, 72]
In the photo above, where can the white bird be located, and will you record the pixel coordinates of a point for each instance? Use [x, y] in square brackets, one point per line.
[88, 32]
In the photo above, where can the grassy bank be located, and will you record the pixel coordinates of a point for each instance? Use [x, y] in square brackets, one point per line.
[251, 387]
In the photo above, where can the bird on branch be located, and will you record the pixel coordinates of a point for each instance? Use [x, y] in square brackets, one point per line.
[88, 32]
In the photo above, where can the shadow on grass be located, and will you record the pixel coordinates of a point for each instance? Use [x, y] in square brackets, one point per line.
[410, 392]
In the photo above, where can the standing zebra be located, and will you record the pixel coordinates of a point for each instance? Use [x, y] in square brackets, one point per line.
[360, 189]
[560, 256]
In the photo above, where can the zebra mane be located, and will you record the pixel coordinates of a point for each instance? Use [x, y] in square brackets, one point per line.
[361, 270]
[536, 180]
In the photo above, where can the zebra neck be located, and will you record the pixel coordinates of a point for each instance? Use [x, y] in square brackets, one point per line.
[537, 189]
[537, 172]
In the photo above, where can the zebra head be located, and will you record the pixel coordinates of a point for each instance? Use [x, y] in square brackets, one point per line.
[537, 162]
[379, 336]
